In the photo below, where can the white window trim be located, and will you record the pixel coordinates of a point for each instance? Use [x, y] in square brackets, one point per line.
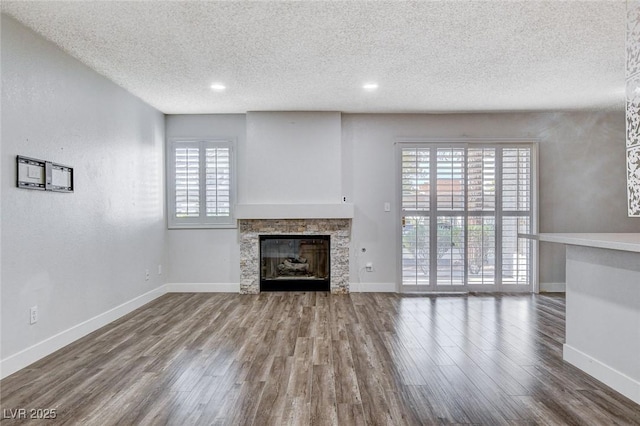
[202, 222]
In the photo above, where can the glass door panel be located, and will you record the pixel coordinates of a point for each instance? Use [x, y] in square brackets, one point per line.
[481, 250]
[516, 252]
[415, 251]
[451, 251]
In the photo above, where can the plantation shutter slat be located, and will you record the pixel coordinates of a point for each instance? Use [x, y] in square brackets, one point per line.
[481, 176]
[516, 201]
[416, 190]
[450, 164]
[415, 179]
[187, 182]
[516, 179]
[218, 187]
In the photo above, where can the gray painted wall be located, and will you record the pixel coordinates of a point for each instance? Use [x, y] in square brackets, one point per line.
[76, 255]
[582, 177]
[582, 184]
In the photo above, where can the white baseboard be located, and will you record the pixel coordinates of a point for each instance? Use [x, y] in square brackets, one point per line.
[622, 383]
[203, 288]
[552, 287]
[28, 356]
[235, 287]
[372, 287]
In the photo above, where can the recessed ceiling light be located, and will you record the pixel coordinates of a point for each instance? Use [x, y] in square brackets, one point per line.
[218, 87]
[370, 86]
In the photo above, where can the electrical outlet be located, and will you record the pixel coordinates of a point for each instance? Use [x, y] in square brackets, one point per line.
[146, 275]
[33, 314]
[369, 267]
[159, 269]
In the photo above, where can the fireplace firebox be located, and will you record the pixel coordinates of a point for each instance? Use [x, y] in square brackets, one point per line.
[294, 263]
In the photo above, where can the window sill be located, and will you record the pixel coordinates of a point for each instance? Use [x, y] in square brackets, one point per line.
[203, 226]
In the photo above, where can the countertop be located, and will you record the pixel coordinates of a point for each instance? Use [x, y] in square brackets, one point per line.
[625, 242]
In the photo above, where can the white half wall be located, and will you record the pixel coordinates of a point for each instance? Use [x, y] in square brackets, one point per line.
[603, 316]
[76, 256]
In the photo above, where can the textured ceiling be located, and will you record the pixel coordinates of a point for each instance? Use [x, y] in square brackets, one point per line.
[426, 56]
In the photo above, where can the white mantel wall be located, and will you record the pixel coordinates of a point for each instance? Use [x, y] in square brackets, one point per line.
[292, 158]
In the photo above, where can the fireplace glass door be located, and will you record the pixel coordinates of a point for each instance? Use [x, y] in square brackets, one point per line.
[294, 263]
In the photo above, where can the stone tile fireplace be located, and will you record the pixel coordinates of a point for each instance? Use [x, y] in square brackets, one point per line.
[337, 230]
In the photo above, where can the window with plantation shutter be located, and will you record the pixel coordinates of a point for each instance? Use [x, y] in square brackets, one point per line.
[463, 206]
[200, 184]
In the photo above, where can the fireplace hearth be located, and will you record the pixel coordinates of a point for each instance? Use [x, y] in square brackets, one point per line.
[294, 263]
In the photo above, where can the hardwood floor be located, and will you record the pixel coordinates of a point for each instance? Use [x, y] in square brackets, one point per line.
[317, 358]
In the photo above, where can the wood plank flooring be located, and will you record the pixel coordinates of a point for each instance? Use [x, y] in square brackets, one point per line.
[322, 359]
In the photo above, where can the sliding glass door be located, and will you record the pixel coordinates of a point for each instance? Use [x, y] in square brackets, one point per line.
[463, 206]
